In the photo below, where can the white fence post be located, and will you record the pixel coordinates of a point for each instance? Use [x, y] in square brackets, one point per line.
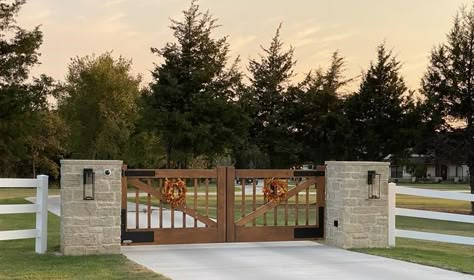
[391, 213]
[42, 214]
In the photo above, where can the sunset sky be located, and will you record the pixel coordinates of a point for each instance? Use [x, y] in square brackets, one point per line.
[314, 28]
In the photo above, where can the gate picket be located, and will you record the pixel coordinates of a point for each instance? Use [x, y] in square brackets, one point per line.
[212, 216]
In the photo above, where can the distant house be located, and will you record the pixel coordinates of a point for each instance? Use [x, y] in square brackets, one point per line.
[426, 168]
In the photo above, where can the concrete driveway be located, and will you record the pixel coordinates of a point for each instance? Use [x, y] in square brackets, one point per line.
[277, 260]
[271, 260]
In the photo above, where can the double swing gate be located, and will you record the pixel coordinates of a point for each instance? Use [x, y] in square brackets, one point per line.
[178, 206]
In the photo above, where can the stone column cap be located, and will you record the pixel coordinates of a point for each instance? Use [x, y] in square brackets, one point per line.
[358, 163]
[90, 162]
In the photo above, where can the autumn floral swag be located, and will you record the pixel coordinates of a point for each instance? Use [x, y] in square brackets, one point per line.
[174, 192]
[275, 190]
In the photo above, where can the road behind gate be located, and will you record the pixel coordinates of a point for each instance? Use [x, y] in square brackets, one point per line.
[277, 260]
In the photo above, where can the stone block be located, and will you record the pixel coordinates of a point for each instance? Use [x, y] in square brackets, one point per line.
[362, 222]
[90, 227]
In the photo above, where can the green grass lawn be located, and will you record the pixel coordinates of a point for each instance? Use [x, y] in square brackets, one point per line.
[435, 226]
[448, 256]
[438, 186]
[18, 259]
[22, 192]
[443, 255]
[433, 204]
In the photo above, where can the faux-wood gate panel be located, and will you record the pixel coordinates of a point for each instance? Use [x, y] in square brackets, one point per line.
[148, 219]
[253, 218]
[221, 212]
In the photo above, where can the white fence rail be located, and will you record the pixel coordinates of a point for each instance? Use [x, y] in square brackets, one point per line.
[393, 190]
[40, 208]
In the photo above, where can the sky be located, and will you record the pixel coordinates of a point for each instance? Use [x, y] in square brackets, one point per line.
[315, 28]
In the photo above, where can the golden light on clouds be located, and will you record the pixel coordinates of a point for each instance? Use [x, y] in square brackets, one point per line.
[314, 28]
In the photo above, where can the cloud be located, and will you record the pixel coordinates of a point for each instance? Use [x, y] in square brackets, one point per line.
[323, 53]
[242, 41]
[111, 3]
[416, 62]
[305, 37]
[36, 14]
[337, 37]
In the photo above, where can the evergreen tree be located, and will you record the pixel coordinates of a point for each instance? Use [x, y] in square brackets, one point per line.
[378, 111]
[448, 86]
[319, 120]
[266, 101]
[192, 106]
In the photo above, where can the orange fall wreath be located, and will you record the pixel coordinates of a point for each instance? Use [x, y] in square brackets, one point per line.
[275, 190]
[174, 192]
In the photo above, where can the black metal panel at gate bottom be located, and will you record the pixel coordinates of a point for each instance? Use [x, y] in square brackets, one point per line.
[134, 237]
[316, 232]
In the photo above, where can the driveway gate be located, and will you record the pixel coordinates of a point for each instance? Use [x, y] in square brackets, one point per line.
[172, 206]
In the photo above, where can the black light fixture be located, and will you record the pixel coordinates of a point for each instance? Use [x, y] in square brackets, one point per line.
[88, 186]
[374, 190]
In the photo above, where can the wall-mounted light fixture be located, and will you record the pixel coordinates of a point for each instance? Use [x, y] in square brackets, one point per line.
[88, 186]
[374, 188]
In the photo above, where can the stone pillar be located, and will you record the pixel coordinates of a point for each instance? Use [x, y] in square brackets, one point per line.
[90, 227]
[353, 220]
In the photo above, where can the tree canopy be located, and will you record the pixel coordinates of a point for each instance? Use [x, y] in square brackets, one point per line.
[318, 118]
[377, 111]
[201, 110]
[22, 98]
[448, 87]
[266, 100]
[192, 104]
[99, 105]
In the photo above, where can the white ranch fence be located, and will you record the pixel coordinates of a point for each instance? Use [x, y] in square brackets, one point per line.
[40, 208]
[393, 190]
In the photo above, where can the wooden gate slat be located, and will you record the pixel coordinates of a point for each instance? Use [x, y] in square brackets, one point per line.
[195, 200]
[254, 199]
[230, 202]
[270, 205]
[307, 206]
[207, 197]
[296, 208]
[137, 212]
[148, 202]
[221, 203]
[190, 212]
[230, 225]
[275, 216]
[242, 206]
[160, 182]
[172, 216]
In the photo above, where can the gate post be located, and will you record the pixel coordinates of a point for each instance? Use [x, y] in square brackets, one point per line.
[356, 205]
[90, 207]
